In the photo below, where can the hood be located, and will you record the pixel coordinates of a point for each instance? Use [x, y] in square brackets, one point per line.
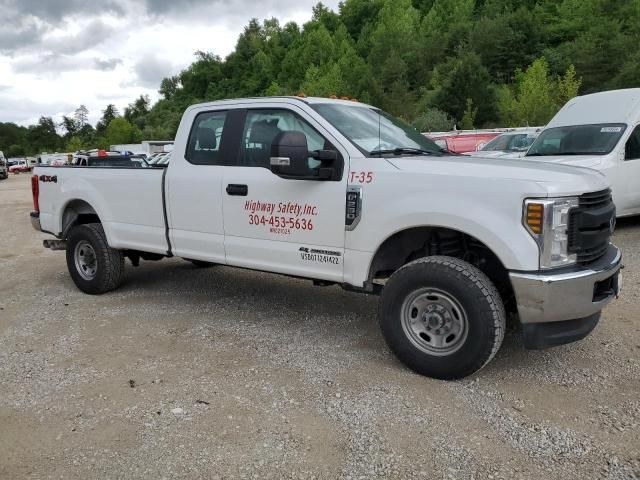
[589, 161]
[554, 179]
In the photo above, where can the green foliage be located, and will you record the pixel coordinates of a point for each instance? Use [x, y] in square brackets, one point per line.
[434, 120]
[432, 62]
[108, 114]
[469, 116]
[74, 144]
[43, 137]
[120, 131]
[15, 151]
[459, 79]
[536, 96]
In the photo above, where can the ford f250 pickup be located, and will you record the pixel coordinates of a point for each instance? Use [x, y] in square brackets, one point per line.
[340, 192]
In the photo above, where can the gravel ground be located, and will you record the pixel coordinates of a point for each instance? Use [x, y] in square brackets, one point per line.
[223, 373]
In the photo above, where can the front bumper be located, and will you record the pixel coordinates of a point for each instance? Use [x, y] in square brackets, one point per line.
[35, 221]
[573, 294]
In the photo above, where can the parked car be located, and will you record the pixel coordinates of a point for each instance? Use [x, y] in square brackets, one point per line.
[340, 192]
[599, 131]
[511, 144]
[4, 172]
[21, 166]
[463, 141]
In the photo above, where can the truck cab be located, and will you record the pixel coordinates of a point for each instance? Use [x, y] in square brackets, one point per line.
[599, 131]
[342, 193]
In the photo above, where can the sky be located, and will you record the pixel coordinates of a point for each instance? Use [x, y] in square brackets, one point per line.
[58, 54]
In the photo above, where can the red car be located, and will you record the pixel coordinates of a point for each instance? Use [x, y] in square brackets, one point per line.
[463, 141]
[20, 167]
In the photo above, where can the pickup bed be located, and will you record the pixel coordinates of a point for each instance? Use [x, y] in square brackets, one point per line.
[341, 193]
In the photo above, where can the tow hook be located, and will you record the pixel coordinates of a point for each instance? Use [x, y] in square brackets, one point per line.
[55, 244]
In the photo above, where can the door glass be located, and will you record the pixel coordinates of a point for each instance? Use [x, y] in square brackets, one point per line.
[204, 140]
[632, 149]
[262, 126]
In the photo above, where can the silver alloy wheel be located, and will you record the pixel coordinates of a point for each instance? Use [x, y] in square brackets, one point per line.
[85, 259]
[434, 321]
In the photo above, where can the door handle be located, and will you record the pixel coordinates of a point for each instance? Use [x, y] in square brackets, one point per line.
[236, 189]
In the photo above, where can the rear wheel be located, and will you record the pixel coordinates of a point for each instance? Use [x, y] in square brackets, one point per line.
[442, 317]
[94, 266]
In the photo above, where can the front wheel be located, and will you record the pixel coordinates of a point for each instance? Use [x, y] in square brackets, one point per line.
[94, 266]
[442, 317]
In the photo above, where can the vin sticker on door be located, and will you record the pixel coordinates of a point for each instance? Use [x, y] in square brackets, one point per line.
[319, 256]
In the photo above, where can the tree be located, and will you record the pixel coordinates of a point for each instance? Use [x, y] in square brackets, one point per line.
[536, 95]
[16, 151]
[70, 126]
[434, 120]
[81, 115]
[121, 131]
[168, 87]
[568, 86]
[459, 79]
[137, 111]
[108, 115]
[43, 136]
[74, 144]
[469, 116]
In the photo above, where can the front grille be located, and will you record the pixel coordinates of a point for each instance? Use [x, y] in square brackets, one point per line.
[590, 226]
[595, 199]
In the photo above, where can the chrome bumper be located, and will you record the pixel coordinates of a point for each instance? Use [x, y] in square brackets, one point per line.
[35, 221]
[568, 295]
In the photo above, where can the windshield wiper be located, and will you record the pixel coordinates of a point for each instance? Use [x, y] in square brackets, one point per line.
[405, 150]
[560, 154]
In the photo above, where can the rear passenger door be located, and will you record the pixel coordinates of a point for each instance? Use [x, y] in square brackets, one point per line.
[283, 225]
[194, 186]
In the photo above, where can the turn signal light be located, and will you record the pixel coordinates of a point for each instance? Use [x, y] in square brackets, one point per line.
[535, 217]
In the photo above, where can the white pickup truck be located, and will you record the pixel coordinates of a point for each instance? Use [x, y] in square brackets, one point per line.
[342, 193]
[599, 131]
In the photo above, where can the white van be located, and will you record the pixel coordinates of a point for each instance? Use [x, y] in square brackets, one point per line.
[599, 131]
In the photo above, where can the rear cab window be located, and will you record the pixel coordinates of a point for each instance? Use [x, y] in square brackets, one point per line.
[205, 138]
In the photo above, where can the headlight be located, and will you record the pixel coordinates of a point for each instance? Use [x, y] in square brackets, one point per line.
[547, 220]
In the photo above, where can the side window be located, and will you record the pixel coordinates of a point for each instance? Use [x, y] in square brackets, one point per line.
[203, 147]
[632, 148]
[262, 126]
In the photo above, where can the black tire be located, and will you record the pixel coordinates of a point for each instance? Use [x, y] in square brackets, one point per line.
[442, 290]
[200, 263]
[108, 264]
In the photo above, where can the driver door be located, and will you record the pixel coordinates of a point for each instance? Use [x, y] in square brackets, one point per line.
[289, 226]
[630, 173]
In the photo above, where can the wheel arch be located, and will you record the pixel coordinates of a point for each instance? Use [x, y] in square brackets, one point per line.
[77, 212]
[411, 243]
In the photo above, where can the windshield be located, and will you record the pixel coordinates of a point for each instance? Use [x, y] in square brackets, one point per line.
[598, 139]
[518, 142]
[375, 132]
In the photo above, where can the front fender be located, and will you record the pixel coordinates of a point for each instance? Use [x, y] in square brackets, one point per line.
[494, 218]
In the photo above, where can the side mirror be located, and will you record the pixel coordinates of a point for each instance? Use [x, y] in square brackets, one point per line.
[327, 156]
[290, 155]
